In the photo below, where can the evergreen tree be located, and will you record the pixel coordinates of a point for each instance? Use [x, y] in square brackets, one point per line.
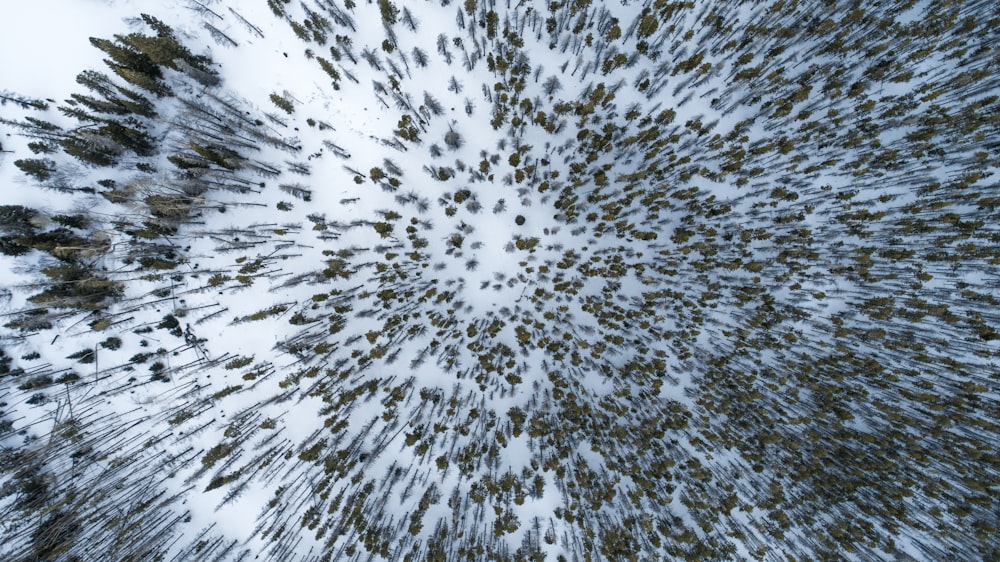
[39, 168]
[22, 101]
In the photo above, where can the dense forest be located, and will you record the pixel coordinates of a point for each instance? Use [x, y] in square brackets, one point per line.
[495, 280]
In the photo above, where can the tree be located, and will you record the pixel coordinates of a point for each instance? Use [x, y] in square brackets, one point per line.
[17, 223]
[442, 47]
[419, 57]
[453, 139]
[18, 220]
[22, 101]
[492, 20]
[112, 94]
[389, 12]
[283, 103]
[409, 20]
[134, 66]
[130, 135]
[551, 85]
[75, 285]
[39, 168]
[648, 25]
[433, 104]
[92, 147]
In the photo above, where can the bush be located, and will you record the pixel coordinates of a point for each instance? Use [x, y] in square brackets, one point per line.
[112, 343]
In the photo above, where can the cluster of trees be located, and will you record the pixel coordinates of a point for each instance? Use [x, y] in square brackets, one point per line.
[207, 150]
[75, 279]
[96, 485]
[766, 328]
[753, 270]
[55, 502]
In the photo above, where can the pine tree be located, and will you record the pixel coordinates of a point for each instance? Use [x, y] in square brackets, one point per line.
[92, 147]
[22, 101]
[283, 103]
[420, 57]
[124, 56]
[39, 168]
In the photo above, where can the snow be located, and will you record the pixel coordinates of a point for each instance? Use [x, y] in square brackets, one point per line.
[37, 24]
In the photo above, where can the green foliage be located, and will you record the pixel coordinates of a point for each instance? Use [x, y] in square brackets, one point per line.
[138, 58]
[389, 12]
[267, 312]
[226, 392]
[277, 7]
[113, 99]
[112, 343]
[312, 453]
[39, 168]
[171, 325]
[217, 453]
[328, 68]
[220, 481]
[830, 342]
[282, 103]
[74, 285]
[85, 355]
[33, 383]
[238, 363]
[441, 462]
[648, 25]
[406, 130]
[22, 102]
